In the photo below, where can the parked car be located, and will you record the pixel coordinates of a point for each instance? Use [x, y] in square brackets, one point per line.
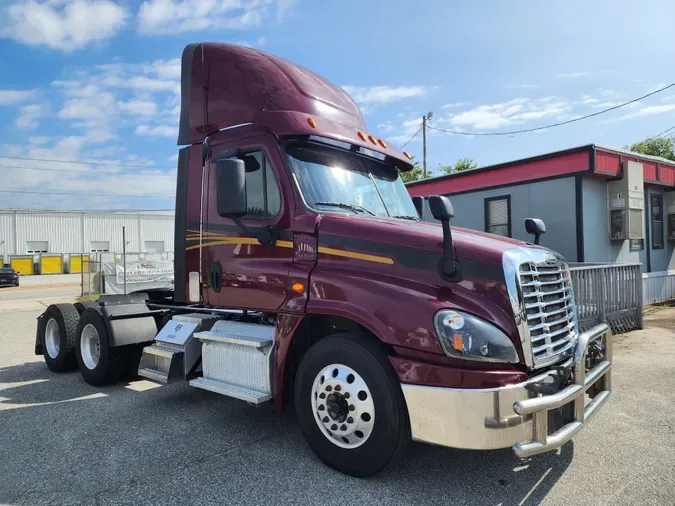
[8, 276]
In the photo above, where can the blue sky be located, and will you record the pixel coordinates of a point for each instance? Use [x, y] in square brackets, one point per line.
[97, 80]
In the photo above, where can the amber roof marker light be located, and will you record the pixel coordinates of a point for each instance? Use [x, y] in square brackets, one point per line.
[382, 143]
[362, 136]
[372, 139]
[407, 155]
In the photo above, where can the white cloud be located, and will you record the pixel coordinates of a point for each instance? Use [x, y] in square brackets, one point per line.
[516, 111]
[11, 97]
[574, 75]
[455, 105]
[378, 95]
[650, 111]
[100, 106]
[175, 16]
[157, 131]
[138, 107]
[28, 116]
[385, 127]
[65, 25]
[607, 105]
[590, 100]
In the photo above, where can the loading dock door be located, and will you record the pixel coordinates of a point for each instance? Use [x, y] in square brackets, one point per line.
[51, 264]
[22, 265]
[76, 263]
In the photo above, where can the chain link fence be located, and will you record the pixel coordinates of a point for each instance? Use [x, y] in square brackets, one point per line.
[115, 273]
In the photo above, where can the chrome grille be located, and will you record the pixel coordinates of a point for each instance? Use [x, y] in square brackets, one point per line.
[548, 301]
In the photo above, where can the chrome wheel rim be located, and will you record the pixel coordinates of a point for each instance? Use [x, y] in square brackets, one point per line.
[90, 346]
[343, 406]
[52, 338]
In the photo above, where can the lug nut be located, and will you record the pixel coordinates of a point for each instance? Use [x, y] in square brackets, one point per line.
[322, 407]
[351, 407]
[329, 388]
[322, 395]
[333, 427]
[325, 419]
[343, 427]
[350, 420]
[346, 395]
[338, 388]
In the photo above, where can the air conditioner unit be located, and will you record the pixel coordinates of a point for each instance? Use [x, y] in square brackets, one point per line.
[626, 201]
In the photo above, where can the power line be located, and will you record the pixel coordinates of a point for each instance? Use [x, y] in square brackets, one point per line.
[82, 163]
[567, 122]
[415, 135]
[664, 132]
[92, 194]
[49, 169]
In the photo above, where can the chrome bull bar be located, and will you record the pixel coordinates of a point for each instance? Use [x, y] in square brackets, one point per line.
[538, 407]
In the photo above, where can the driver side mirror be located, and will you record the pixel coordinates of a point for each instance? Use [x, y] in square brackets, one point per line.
[536, 227]
[418, 202]
[231, 188]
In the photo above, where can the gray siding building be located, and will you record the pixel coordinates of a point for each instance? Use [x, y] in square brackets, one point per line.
[600, 204]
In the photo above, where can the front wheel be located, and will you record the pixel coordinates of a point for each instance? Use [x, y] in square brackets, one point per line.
[350, 406]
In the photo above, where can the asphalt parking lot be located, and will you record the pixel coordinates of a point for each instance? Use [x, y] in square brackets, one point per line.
[65, 442]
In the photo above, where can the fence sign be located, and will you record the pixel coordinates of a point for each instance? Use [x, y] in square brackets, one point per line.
[151, 271]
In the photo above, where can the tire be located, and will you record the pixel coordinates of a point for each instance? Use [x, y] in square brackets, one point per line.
[58, 336]
[381, 443]
[108, 366]
[81, 306]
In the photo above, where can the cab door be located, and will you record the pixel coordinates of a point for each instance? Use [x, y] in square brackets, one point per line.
[239, 272]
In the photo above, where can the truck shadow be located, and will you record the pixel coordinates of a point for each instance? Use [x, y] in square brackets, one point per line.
[480, 477]
[222, 443]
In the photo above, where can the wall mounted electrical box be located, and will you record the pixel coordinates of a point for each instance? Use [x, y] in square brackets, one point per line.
[626, 202]
[669, 203]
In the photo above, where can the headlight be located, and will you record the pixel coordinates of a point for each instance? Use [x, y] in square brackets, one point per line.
[465, 336]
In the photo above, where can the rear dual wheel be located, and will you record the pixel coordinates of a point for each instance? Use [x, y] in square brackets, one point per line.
[99, 363]
[350, 406]
[58, 336]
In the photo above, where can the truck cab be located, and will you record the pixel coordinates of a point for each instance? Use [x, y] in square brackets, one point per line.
[304, 276]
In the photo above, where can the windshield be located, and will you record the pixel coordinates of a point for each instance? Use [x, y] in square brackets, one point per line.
[333, 180]
[6, 270]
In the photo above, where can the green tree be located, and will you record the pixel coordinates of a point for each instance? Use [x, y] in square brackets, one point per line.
[663, 147]
[416, 174]
[461, 165]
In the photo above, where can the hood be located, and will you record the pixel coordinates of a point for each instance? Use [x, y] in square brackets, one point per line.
[470, 244]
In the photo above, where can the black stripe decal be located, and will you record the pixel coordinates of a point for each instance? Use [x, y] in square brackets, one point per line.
[414, 258]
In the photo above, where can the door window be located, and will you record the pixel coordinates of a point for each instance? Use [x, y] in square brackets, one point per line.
[262, 189]
[657, 221]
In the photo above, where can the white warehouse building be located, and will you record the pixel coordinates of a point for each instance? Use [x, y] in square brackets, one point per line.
[26, 232]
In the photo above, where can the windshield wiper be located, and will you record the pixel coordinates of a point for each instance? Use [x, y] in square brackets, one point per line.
[351, 207]
[406, 217]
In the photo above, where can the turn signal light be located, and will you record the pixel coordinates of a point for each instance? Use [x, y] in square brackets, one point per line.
[362, 136]
[298, 287]
[311, 122]
[372, 139]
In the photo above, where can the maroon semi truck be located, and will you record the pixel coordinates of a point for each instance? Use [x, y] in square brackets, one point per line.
[305, 276]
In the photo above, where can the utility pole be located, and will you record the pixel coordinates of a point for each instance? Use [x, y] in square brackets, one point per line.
[427, 117]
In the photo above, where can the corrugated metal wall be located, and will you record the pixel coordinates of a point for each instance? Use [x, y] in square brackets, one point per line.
[65, 231]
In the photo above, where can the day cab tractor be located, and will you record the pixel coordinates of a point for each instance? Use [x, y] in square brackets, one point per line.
[304, 276]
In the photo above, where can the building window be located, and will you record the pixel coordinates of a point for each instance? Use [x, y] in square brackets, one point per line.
[37, 246]
[657, 220]
[498, 215]
[262, 190]
[100, 246]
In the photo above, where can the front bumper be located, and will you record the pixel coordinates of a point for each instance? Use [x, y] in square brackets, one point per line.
[516, 415]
